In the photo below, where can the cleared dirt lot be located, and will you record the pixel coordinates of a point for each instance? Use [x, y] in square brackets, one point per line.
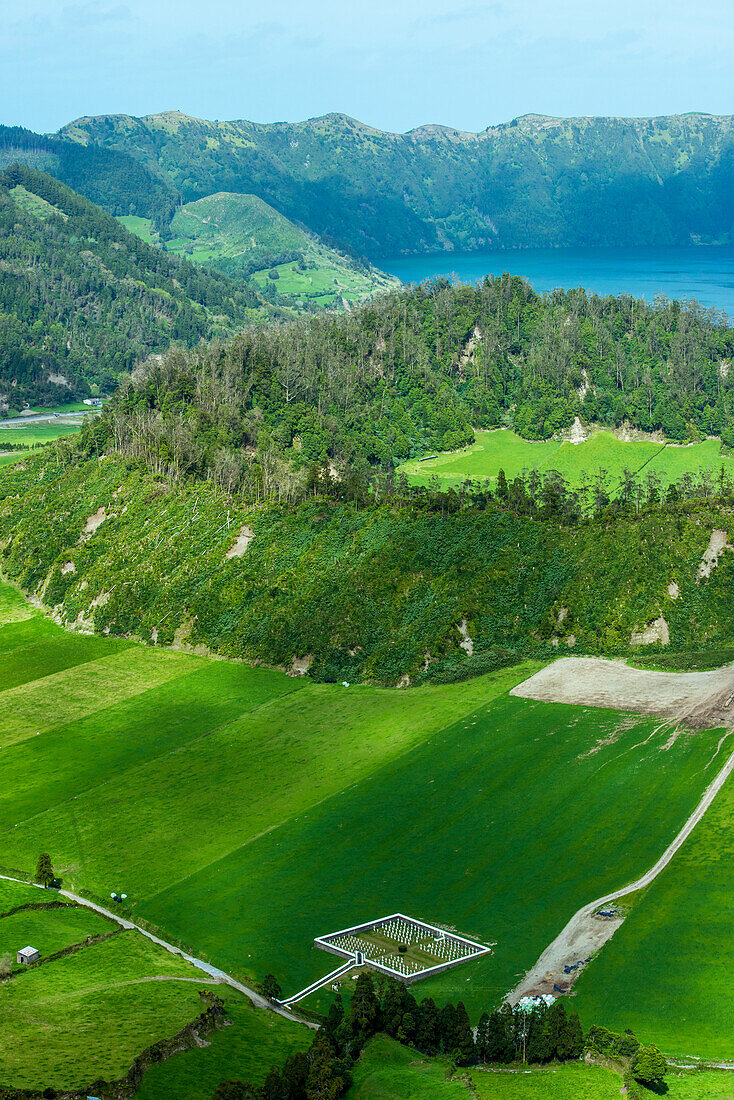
[703, 699]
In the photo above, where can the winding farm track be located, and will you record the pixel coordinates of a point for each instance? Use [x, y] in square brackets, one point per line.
[218, 975]
[586, 933]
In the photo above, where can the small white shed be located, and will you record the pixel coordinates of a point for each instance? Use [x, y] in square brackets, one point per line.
[28, 955]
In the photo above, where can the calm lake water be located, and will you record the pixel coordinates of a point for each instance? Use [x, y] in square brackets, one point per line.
[705, 273]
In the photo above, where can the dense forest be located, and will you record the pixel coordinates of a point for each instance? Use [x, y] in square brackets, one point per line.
[535, 181]
[416, 371]
[117, 182]
[82, 300]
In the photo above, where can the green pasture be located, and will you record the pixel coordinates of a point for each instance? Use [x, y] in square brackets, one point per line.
[321, 283]
[503, 449]
[500, 824]
[13, 894]
[213, 793]
[14, 608]
[87, 1015]
[49, 929]
[68, 407]
[36, 434]
[246, 1051]
[388, 1071]
[687, 660]
[667, 971]
[164, 758]
[141, 227]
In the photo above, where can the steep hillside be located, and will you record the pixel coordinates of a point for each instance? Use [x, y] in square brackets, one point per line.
[376, 593]
[82, 300]
[534, 181]
[118, 183]
[243, 237]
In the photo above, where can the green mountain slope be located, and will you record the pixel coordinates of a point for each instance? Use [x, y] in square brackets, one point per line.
[82, 300]
[246, 238]
[115, 181]
[372, 594]
[534, 181]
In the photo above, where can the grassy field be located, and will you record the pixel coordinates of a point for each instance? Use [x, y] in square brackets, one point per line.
[245, 812]
[14, 608]
[388, 1071]
[462, 831]
[667, 971]
[86, 1015]
[49, 930]
[35, 435]
[246, 1051]
[503, 449]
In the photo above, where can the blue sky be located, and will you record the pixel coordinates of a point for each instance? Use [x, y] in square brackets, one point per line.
[392, 63]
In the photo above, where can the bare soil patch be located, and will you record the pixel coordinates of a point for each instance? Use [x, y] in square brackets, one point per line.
[699, 699]
[244, 539]
[93, 522]
[716, 547]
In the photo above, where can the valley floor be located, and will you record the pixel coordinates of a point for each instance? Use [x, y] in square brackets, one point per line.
[244, 812]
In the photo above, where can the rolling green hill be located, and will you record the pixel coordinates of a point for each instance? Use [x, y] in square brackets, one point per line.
[242, 236]
[533, 181]
[97, 1004]
[82, 300]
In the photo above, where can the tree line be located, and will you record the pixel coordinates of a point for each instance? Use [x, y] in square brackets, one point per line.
[540, 1034]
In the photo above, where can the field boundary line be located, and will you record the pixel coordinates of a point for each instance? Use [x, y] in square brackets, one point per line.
[332, 794]
[145, 763]
[214, 972]
[574, 929]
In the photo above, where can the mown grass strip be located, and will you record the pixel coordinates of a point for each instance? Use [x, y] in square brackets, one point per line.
[73, 693]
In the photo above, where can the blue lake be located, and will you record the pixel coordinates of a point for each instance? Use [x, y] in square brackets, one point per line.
[704, 273]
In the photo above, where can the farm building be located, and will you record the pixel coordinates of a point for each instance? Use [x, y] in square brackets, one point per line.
[28, 955]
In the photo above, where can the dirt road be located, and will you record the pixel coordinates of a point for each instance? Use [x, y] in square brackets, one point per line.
[585, 932]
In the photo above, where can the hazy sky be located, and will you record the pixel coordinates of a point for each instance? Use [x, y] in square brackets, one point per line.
[392, 63]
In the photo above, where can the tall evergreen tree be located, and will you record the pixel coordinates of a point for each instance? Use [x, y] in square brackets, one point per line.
[572, 1044]
[464, 1051]
[45, 874]
[364, 1011]
[427, 1032]
[326, 1080]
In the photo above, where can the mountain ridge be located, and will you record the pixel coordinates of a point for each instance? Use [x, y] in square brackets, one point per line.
[536, 181]
[423, 127]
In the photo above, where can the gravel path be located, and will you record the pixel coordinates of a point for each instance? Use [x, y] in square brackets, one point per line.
[219, 975]
[586, 933]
